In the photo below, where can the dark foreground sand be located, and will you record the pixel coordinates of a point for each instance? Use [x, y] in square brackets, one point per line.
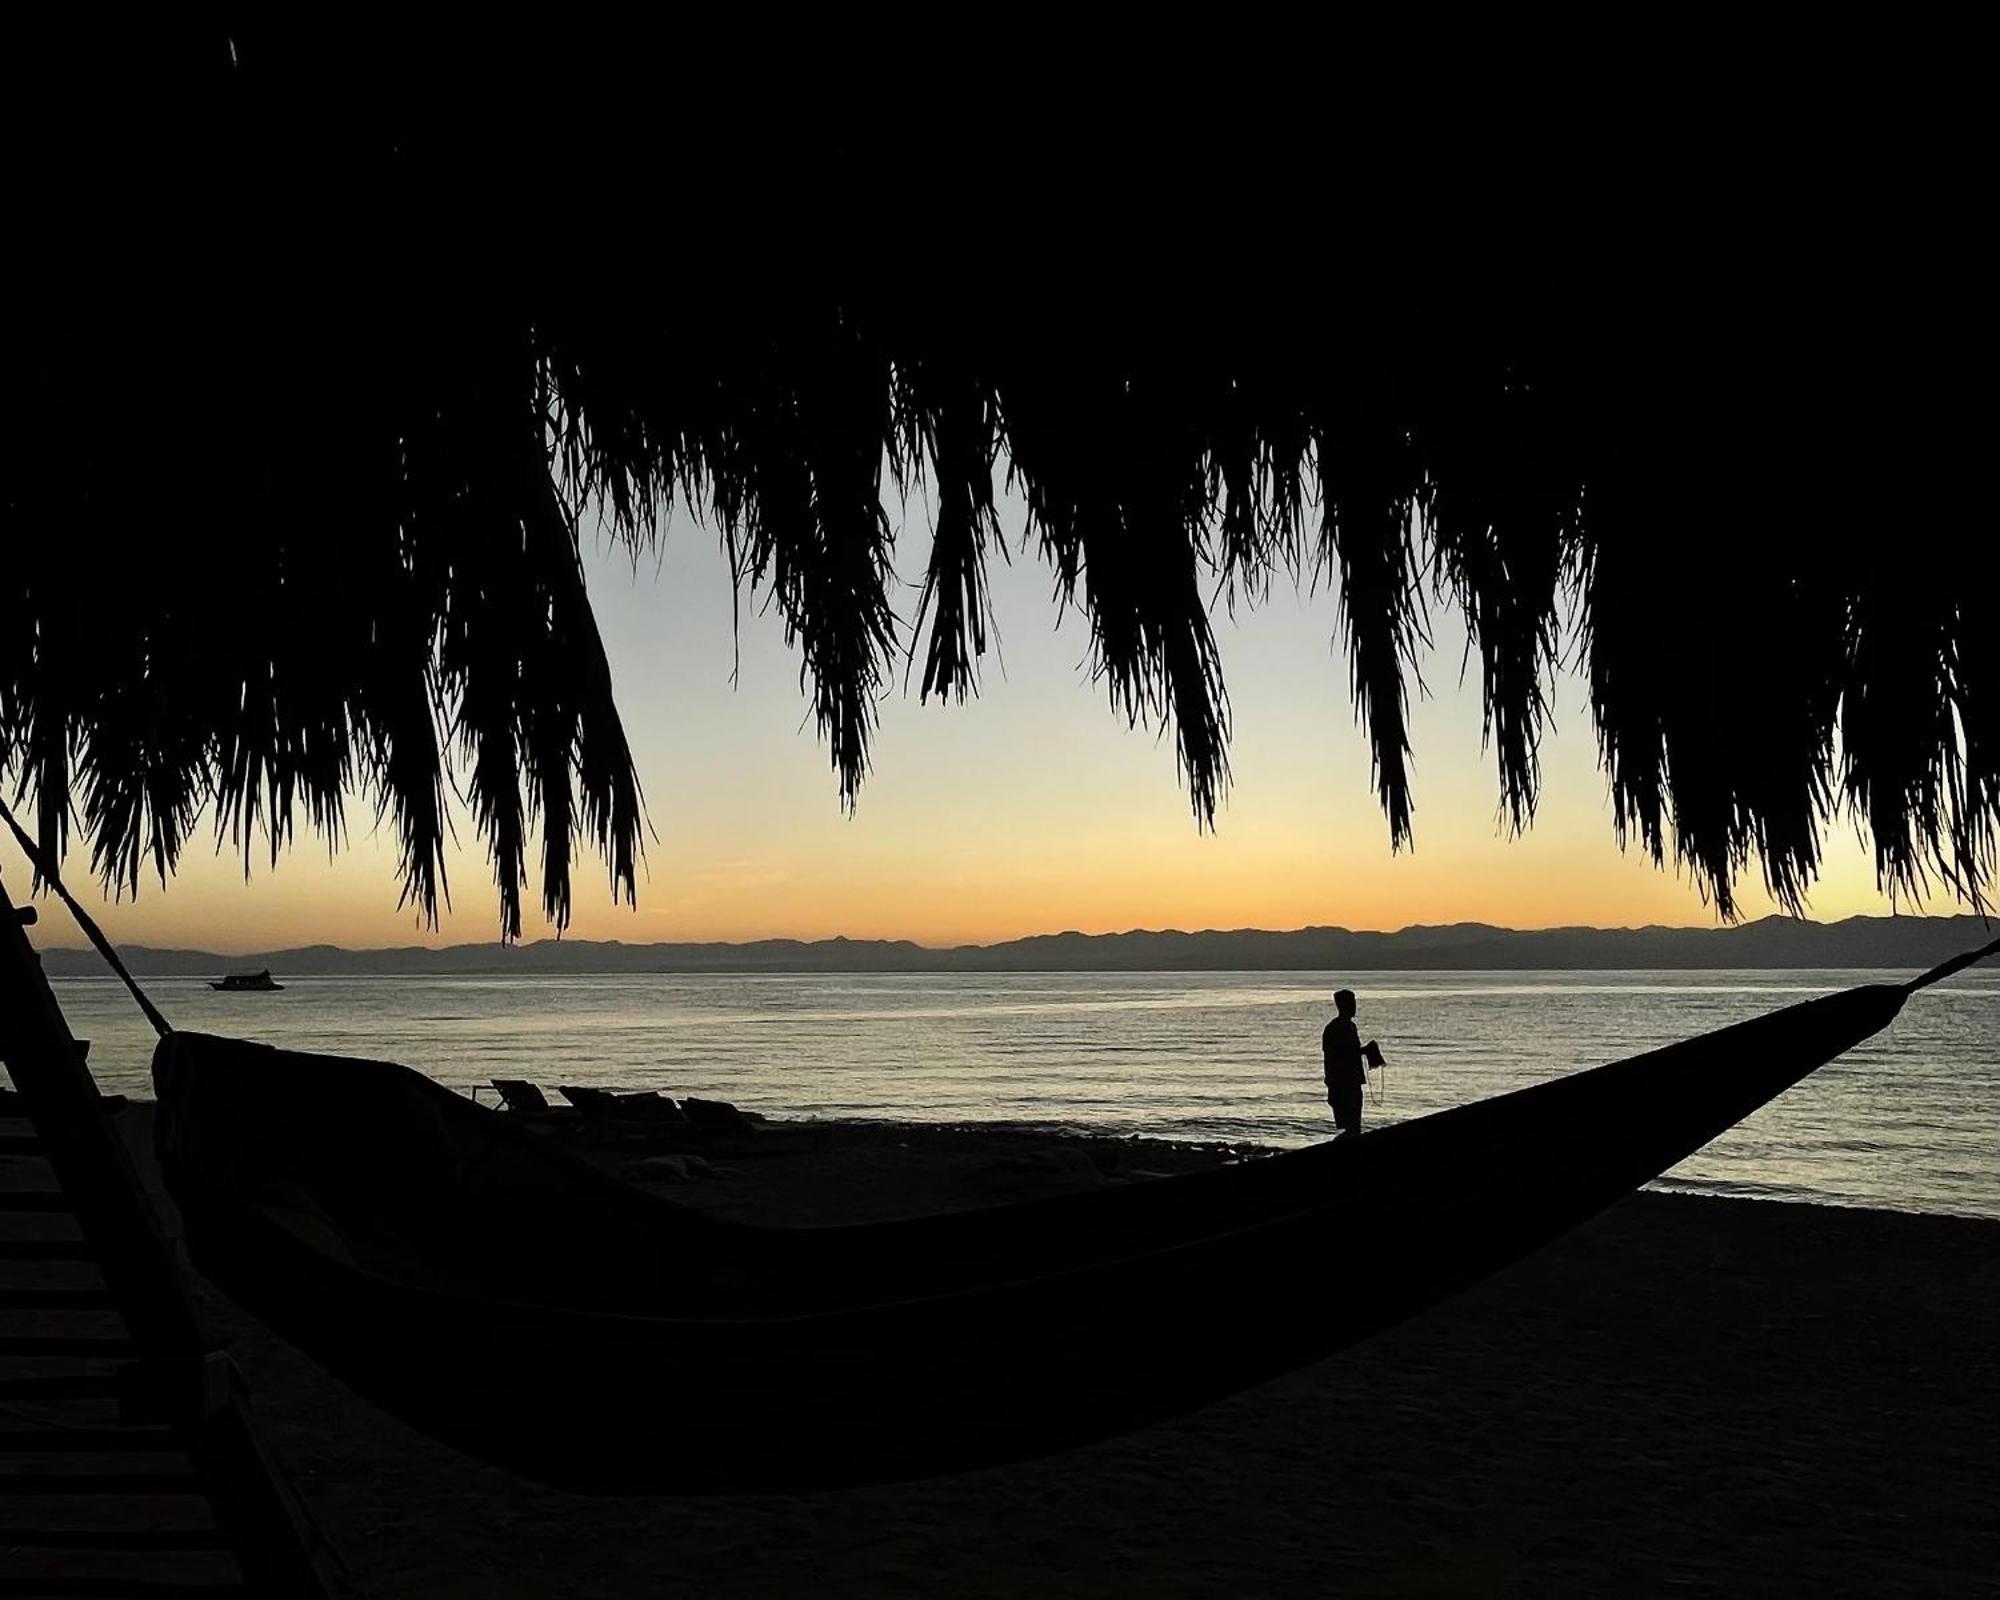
[1688, 1397]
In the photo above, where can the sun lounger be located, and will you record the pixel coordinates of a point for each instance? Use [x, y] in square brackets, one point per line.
[597, 1104]
[519, 1095]
[712, 1127]
[718, 1117]
[620, 1105]
[644, 1118]
[649, 1106]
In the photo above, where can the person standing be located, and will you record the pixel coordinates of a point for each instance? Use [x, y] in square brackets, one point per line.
[1346, 1072]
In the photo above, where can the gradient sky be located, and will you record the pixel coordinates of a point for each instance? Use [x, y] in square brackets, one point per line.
[1030, 810]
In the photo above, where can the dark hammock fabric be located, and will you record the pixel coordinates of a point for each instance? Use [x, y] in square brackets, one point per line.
[501, 1294]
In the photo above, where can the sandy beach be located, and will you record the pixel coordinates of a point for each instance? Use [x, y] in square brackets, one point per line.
[1688, 1397]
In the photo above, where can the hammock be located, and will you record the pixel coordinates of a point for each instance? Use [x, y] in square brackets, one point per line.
[497, 1292]
[501, 1294]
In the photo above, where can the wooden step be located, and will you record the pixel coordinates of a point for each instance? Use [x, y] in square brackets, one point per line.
[159, 1480]
[45, 1250]
[37, 1200]
[81, 1348]
[86, 1440]
[81, 1274]
[142, 1539]
[65, 1586]
[66, 1386]
[37, 1298]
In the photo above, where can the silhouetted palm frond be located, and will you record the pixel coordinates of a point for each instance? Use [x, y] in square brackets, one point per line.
[292, 496]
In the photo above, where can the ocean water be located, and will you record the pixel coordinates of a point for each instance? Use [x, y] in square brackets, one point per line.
[1909, 1121]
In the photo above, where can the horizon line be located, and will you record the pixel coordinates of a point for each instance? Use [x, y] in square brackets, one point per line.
[81, 944]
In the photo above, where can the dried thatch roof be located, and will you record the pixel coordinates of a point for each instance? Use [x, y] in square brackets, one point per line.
[305, 416]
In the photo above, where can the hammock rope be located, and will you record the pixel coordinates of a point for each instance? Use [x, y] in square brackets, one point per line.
[1945, 969]
[46, 871]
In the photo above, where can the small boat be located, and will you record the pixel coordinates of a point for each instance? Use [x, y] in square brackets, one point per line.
[241, 982]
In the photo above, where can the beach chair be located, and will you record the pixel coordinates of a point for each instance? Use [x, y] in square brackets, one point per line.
[596, 1104]
[621, 1105]
[718, 1118]
[721, 1129]
[643, 1118]
[519, 1095]
[649, 1105]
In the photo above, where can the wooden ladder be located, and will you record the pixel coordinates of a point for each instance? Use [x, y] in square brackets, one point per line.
[130, 1463]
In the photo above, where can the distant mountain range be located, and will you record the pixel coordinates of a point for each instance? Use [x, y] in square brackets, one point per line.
[1897, 943]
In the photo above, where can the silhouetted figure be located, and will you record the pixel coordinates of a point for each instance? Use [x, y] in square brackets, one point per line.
[1346, 1057]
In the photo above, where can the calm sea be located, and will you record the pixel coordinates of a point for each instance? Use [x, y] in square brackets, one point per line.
[1910, 1120]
